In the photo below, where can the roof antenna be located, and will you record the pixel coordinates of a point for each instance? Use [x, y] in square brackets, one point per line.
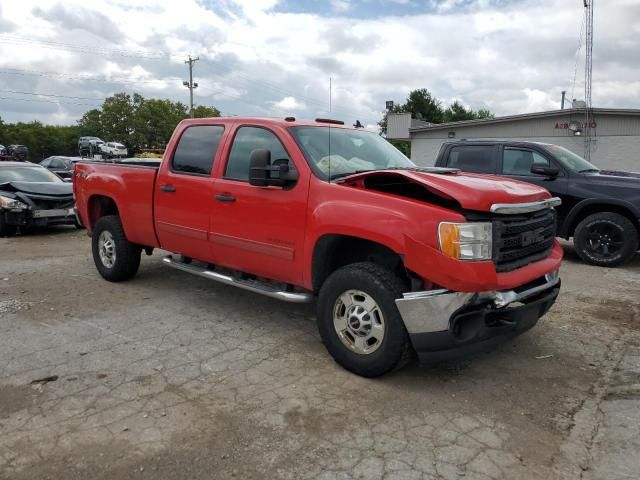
[330, 92]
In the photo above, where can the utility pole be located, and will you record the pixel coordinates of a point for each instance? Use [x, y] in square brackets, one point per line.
[190, 84]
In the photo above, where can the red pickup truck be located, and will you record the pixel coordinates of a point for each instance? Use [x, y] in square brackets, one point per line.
[401, 259]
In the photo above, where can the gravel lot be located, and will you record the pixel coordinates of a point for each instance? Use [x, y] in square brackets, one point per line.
[170, 376]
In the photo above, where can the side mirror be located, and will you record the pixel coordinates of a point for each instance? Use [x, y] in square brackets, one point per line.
[264, 173]
[551, 172]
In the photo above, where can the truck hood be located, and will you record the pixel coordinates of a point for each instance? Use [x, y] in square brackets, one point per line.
[615, 177]
[53, 189]
[471, 191]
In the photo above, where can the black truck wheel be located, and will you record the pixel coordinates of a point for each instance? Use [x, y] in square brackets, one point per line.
[115, 257]
[606, 239]
[359, 322]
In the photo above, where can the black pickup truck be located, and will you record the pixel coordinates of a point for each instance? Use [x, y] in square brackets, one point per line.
[600, 209]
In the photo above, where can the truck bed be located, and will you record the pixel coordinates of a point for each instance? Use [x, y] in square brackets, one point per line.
[130, 186]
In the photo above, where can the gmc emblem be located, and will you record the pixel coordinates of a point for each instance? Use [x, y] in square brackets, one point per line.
[529, 238]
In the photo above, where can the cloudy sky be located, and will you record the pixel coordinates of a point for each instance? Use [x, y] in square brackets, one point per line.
[275, 57]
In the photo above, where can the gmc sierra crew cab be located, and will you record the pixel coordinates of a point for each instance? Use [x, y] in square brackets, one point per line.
[400, 259]
[600, 209]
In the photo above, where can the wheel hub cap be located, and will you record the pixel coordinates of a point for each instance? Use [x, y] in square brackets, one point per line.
[107, 249]
[358, 321]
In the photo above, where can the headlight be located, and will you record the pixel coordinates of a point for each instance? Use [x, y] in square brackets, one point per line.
[12, 204]
[466, 241]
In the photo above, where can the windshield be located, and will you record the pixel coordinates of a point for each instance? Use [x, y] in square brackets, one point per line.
[336, 152]
[27, 174]
[570, 159]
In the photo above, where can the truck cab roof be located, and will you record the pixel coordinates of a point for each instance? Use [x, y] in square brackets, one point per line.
[279, 121]
[496, 141]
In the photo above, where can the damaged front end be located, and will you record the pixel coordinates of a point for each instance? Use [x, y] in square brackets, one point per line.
[34, 210]
[444, 324]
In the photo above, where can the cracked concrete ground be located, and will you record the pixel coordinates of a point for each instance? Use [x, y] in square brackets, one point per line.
[170, 376]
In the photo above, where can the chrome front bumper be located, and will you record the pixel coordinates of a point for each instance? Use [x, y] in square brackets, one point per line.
[432, 311]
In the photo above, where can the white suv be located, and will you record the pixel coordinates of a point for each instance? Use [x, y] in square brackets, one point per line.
[113, 149]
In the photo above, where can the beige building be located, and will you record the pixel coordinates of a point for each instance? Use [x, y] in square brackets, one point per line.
[615, 141]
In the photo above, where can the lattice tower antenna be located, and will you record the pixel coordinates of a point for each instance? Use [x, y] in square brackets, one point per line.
[588, 70]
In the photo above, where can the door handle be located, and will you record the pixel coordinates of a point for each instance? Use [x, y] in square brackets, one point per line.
[225, 197]
[168, 188]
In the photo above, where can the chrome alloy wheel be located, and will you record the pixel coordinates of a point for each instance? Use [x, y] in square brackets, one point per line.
[358, 321]
[107, 249]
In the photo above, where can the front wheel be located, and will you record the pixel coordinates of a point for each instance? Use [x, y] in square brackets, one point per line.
[606, 239]
[115, 257]
[359, 322]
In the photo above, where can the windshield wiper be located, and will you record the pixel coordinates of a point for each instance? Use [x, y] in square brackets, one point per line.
[340, 175]
[346, 174]
[588, 170]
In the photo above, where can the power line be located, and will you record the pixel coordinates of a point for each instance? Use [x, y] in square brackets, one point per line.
[251, 82]
[160, 55]
[47, 101]
[131, 81]
[83, 77]
[51, 95]
[86, 49]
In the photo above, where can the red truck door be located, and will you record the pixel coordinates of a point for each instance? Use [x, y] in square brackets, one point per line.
[259, 230]
[184, 192]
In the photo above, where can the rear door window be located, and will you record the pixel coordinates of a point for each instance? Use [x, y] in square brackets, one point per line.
[473, 158]
[196, 150]
[518, 161]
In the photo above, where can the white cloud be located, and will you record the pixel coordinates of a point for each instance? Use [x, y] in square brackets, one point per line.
[255, 59]
[289, 104]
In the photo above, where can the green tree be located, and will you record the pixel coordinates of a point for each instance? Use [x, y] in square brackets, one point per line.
[155, 121]
[90, 124]
[117, 117]
[138, 122]
[41, 140]
[457, 113]
[484, 113]
[423, 106]
[202, 111]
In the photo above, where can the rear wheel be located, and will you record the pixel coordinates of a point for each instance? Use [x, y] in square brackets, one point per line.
[115, 257]
[606, 239]
[359, 322]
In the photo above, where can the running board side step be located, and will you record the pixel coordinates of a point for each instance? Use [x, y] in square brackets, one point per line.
[251, 285]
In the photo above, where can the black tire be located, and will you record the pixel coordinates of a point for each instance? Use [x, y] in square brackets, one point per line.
[127, 255]
[606, 239]
[383, 286]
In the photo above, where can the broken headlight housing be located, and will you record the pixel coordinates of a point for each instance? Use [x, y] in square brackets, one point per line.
[12, 204]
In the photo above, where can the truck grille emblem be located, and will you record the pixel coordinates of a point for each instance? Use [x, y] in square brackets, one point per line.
[529, 238]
